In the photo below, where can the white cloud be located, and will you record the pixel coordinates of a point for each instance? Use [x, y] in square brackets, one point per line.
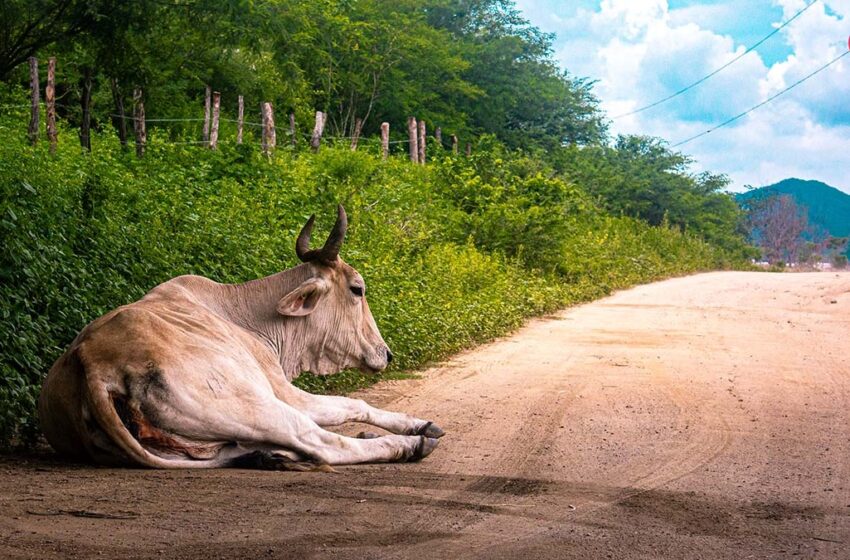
[641, 51]
[816, 38]
[705, 14]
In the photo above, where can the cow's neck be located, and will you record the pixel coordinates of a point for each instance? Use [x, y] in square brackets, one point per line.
[253, 306]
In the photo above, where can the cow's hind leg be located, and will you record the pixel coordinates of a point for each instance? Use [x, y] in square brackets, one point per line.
[329, 410]
[269, 424]
[238, 412]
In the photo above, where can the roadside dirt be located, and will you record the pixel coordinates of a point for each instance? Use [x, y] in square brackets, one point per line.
[700, 417]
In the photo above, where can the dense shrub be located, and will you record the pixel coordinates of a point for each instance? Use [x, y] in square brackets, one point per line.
[456, 252]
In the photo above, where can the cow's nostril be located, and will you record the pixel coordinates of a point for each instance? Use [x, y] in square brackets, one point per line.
[389, 356]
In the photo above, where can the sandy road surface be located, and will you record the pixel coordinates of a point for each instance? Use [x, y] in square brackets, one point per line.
[701, 417]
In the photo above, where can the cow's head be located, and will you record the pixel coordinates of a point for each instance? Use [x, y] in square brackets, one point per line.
[338, 328]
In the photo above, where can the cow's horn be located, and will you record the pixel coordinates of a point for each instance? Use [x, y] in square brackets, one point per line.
[329, 253]
[302, 245]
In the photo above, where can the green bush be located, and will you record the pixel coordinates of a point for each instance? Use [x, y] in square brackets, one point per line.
[455, 253]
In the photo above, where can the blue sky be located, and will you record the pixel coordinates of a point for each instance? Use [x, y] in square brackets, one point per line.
[642, 50]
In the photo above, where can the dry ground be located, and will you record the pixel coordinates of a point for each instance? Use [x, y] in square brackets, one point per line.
[700, 417]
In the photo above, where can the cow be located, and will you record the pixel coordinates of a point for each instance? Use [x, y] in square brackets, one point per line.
[197, 374]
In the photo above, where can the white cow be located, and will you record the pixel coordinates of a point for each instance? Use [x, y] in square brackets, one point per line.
[197, 374]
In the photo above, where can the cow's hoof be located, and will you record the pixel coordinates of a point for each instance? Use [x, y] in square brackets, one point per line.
[424, 448]
[368, 435]
[431, 430]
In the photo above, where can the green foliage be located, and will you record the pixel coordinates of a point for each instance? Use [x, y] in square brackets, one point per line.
[641, 177]
[455, 253]
[468, 66]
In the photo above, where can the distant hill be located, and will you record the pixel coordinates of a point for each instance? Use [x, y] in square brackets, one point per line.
[827, 206]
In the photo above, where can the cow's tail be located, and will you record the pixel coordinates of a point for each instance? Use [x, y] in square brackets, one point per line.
[103, 409]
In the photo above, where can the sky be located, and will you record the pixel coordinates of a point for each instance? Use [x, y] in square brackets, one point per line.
[640, 51]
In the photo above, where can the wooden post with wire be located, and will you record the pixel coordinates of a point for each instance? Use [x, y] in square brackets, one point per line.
[50, 99]
[119, 118]
[35, 96]
[269, 136]
[292, 135]
[358, 126]
[318, 129]
[423, 141]
[454, 144]
[240, 119]
[206, 132]
[385, 139]
[438, 136]
[139, 122]
[216, 108]
[412, 133]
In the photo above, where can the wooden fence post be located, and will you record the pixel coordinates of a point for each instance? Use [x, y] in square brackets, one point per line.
[85, 105]
[318, 129]
[438, 135]
[468, 149]
[216, 107]
[358, 126]
[454, 144]
[292, 137]
[240, 120]
[423, 141]
[34, 88]
[385, 139]
[207, 101]
[412, 138]
[269, 135]
[50, 98]
[139, 122]
[119, 118]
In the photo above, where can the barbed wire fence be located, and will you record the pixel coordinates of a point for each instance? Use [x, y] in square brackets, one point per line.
[417, 140]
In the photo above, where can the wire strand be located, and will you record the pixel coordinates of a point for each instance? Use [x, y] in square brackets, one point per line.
[765, 102]
[715, 72]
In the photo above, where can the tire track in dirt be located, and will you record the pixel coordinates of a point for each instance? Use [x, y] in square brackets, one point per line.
[709, 438]
[511, 449]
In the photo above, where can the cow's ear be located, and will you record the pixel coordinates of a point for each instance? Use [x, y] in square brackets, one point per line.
[303, 299]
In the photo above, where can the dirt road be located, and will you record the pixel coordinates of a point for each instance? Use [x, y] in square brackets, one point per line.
[701, 417]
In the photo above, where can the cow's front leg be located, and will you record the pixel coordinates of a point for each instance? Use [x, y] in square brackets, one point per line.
[328, 410]
[288, 428]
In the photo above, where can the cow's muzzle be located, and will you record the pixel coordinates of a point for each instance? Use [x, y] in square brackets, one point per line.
[378, 360]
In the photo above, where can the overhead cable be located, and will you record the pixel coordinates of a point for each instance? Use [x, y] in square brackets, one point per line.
[728, 64]
[765, 102]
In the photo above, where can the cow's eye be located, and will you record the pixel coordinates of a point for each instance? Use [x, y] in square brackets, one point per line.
[356, 290]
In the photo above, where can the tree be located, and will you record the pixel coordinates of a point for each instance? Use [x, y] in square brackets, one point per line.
[27, 26]
[778, 226]
[641, 177]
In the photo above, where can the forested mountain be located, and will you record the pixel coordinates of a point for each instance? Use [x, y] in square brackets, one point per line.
[826, 206]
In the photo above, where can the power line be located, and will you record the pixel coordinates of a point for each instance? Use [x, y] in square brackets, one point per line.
[765, 102]
[728, 64]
